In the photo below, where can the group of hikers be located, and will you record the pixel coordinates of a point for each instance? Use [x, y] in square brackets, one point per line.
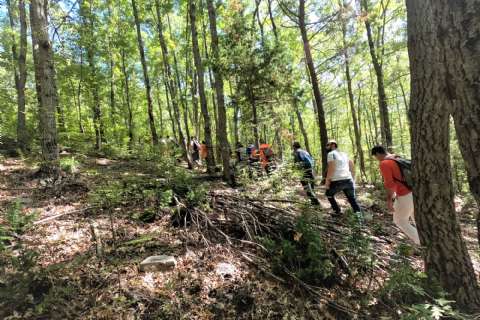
[340, 176]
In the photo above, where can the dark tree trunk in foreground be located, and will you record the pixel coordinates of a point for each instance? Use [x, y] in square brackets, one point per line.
[432, 23]
[201, 87]
[45, 81]
[222, 112]
[20, 71]
[148, 88]
[314, 81]
[463, 85]
[382, 96]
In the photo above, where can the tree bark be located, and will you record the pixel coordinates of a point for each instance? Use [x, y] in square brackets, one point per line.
[382, 97]
[129, 107]
[356, 129]
[88, 39]
[219, 90]
[462, 83]
[170, 83]
[45, 82]
[314, 81]
[434, 95]
[148, 88]
[20, 74]
[301, 125]
[201, 87]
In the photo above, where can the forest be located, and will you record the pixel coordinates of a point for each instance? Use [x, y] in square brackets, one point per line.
[183, 159]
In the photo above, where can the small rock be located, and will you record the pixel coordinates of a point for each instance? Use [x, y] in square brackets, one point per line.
[225, 269]
[158, 263]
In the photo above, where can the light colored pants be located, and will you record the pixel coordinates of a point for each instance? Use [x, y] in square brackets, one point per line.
[403, 207]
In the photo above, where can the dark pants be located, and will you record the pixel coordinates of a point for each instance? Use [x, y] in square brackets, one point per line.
[308, 183]
[348, 189]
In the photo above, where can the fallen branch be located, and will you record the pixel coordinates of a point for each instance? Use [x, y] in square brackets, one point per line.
[61, 215]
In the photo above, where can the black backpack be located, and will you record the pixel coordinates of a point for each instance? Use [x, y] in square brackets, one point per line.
[405, 166]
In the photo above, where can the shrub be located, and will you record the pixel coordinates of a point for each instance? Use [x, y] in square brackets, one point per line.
[306, 255]
[69, 164]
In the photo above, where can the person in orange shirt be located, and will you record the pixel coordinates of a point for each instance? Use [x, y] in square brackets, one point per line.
[203, 151]
[266, 156]
[399, 197]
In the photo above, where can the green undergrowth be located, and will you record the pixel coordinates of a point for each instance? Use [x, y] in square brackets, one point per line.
[412, 294]
[150, 194]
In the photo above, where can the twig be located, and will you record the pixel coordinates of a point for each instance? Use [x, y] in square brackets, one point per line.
[61, 214]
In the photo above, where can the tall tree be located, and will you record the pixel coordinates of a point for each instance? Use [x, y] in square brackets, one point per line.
[45, 83]
[148, 88]
[351, 100]
[432, 23]
[219, 90]
[314, 81]
[463, 86]
[20, 70]
[89, 41]
[170, 84]
[127, 101]
[386, 131]
[201, 87]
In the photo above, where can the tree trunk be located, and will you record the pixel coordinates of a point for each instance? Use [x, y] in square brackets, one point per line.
[193, 92]
[253, 103]
[20, 74]
[382, 97]
[88, 38]
[170, 83]
[170, 113]
[301, 125]
[314, 81]
[45, 82]
[434, 94]
[462, 85]
[201, 87]
[148, 89]
[79, 95]
[129, 107]
[222, 112]
[272, 21]
[356, 130]
[160, 109]
[182, 92]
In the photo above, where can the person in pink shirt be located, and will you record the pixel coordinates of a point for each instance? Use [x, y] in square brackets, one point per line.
[399, 195]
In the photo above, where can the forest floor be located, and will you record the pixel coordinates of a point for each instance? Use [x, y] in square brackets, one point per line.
[89, 251]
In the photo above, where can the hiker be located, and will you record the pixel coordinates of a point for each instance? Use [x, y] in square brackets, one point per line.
[203, 151]
[195, 146]
[340, 177]
[399, 192]
[266, 156]
[240, 152]
[306, 164]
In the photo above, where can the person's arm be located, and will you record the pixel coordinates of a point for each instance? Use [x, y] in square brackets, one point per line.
[388, 183]
[351, 166]
[330, 170]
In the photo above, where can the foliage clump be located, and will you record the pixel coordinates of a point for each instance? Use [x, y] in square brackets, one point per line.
[305, 254]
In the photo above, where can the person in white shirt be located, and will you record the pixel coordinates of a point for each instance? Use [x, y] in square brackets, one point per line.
[340, 177]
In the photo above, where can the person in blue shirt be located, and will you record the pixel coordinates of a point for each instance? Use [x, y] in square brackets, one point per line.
[306, 163]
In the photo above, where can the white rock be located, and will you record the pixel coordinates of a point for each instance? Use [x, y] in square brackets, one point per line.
[225, 269]
[158, 263]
